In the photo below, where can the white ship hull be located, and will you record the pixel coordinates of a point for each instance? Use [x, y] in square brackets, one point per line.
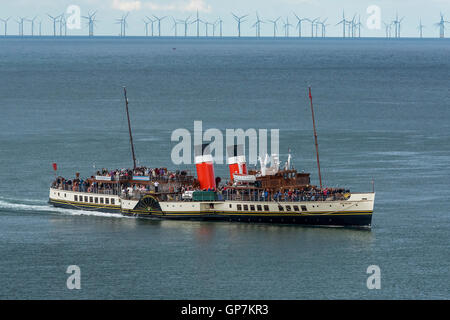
[355, 211]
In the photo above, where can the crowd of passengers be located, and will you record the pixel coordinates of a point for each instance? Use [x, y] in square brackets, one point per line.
[224, 192]
[152, 173]
[306, 194]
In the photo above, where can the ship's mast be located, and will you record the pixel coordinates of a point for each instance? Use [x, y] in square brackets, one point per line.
[315, 138]
[129, 127]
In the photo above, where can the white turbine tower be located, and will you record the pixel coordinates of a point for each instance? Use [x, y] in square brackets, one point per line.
[239, 20]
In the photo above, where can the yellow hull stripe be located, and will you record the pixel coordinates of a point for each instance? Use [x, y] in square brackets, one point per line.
[87, 205]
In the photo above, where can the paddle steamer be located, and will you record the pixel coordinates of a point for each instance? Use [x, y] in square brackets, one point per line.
[265, 195]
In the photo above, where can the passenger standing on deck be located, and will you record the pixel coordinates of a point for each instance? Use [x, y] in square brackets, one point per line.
[156, 184]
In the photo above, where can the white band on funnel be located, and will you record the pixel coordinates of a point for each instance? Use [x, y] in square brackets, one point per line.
[237, 159]
[204, 158]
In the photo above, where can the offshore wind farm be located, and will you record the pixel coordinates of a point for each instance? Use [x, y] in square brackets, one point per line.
[111, 112]
[254, 25]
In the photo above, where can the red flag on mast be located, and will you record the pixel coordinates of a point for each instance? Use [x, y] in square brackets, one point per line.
[55, 166]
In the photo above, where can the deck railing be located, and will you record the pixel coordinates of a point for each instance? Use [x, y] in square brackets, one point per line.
[224, 195]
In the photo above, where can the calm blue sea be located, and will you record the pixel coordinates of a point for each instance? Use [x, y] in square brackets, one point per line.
[382, 111]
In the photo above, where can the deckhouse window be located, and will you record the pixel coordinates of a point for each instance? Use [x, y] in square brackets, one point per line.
[107, 200]
[245, 207]
[252, 208]
[304, 208]
[112, 201]
[280, 208]
[239, 207]
[288, 208]
[85, 199]
[296, 208]
[96, 200]
[266, 207]
[75, 197]
[259, 207]
[91, 199]
[101, 200]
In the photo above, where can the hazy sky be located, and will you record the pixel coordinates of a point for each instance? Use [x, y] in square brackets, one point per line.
[210, 10]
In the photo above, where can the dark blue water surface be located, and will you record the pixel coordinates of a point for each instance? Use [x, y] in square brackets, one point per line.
[383, 113]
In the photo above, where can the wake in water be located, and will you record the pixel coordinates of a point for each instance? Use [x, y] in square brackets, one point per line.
[40, 206]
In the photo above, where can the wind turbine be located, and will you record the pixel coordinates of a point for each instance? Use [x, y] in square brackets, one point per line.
[275, 27]
[146, 26]
[359, 25]
[299, 24]
[220, 22]
[323, 25]
[286, 27]
[159, 23]
[40, 27]
[152, 22]
[120, 21]
[214, 26]
[197, 21]
[185, 23]
[20, 23]
[420, 28]
[388, 28]
[55, 19]
[312, 26]
[175, 24]
[62, 25]
[441, 25]
[206, 27]
[125, 24]
[239, 20]
[352, 24]
[397, 24]
[257, 25]
[344, 22]
[32, 24]
[91, 21]
[5, 21]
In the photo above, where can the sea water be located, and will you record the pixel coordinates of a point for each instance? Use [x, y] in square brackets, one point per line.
[382, 111]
